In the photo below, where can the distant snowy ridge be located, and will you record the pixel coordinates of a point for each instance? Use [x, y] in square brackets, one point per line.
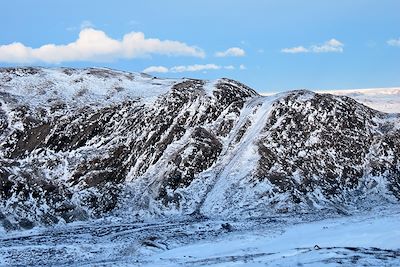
[382, 99]
[77, 144]
[77, 87]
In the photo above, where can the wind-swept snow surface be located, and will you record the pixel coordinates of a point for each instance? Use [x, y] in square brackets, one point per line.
[364, 239]
[349, 241]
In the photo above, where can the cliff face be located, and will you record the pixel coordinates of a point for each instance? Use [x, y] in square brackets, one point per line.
[77, 144]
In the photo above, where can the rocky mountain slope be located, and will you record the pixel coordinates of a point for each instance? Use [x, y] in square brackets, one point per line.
[84, 143]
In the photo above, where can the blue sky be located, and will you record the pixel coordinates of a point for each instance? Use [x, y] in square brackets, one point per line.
[269, 45]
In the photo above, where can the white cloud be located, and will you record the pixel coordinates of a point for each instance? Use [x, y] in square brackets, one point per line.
[242, 67]
[294, 50]
[159, 69]
[95, 45]
[189, 68]
[86, 24]
[332, 45]
[231, 52]
[394, 42]
[196, 67]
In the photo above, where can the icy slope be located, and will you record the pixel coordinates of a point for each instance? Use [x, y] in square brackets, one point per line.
[78, 144]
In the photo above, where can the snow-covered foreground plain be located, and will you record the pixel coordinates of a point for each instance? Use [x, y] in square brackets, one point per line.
[365, 239]
[359, 240]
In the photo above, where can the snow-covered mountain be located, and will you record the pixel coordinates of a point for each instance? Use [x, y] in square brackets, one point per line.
[83, 143]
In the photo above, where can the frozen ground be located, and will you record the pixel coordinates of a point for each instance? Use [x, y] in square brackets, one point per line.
[364, 239]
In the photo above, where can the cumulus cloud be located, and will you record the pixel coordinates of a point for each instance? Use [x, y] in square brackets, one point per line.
[197, 67]
[332, 45]
[394, 42]
[189, 68]
[231, 52]
[95, 45]
[159, 69]
[294, 50]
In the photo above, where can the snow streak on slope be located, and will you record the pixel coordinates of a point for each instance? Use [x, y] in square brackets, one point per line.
[237, 162]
